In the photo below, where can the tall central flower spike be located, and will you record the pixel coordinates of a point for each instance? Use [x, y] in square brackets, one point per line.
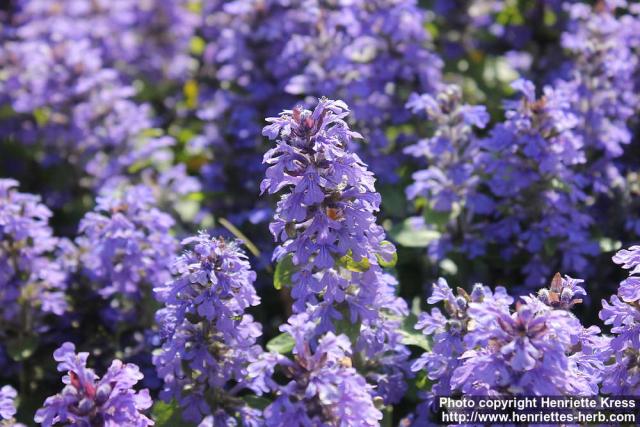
[326, 226]
[88, 400]
[208, 339]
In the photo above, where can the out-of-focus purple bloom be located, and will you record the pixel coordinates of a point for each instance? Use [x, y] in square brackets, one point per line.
[126, 245]
[533, 163]
[370, 54]
[88, 400]
[34, 268]
[323, 387]
[147, 38]
[521, 190]
[451, 150]
[28, 271]
[600, 79]
[207, 339]
[67, 96]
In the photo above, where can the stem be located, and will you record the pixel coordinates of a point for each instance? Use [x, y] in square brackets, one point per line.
[240, 235]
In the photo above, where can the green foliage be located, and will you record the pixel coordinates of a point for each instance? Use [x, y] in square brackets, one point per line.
[411, 336]
[406, 235]
[284, 270]
[167, 414]
[387, 263]
[20, 349]
[350, 264]
[257, 402]
[282, 344]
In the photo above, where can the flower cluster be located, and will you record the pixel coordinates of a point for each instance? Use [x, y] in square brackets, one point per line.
[483, 347]
[207, 338]
[260, 57]
[600, 78]
[125, 243]
[33, 268]
[533, 161]
[149, 38]
[323, 387]
[88, 400]
[448, 332]
[29, 276]
[451, 182]
[622, 313]
[67, 97]
[326, 225]
[531, 201]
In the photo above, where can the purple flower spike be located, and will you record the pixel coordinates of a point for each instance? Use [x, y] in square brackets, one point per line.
[325, 223]
[207, 338]
[88, 400]
[126, 246]
[622, 313]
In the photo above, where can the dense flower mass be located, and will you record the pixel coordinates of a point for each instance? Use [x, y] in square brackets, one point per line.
[207, 338]
[537, 183]
[533, 196]
[484, 347]
[366, 53]
[89, 400]
[238, 206]
[33, 269]
[622, 313]
[30, 276]
[125, 243]
[323, 387]
[67, 93]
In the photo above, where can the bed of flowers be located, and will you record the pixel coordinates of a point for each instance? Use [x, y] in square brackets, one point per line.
[314, 212]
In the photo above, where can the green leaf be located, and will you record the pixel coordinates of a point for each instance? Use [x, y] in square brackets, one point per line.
[406, 235]
[350, 264]
[411, 336]
[257, 402]
[42, 115]
[284, 270]
[197, 45]
[191, 90]
[167, 414]
[422, 381]
[387, 417]
[197, 197]
[282, 344]
[437, 218]
[22, 349]
[387, 263]
[394, 202]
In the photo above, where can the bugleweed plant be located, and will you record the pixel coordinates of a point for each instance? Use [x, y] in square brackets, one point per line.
[314, 213]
